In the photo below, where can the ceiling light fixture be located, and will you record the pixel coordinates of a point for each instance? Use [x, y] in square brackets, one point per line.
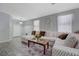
[53, 3]
[20, 22]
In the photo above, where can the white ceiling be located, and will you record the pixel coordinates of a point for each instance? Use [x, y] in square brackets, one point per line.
[27, 11]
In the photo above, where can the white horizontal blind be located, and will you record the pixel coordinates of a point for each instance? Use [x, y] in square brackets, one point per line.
[37, 25]
[65, 23]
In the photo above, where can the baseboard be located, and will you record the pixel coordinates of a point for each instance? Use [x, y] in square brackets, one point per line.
[16, 36]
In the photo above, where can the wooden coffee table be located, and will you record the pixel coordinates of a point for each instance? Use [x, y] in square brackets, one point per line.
[44, 43]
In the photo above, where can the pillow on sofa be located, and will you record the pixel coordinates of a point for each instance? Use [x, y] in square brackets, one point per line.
[70, 41]
[63, 36]
[42, 33]
[33, 32]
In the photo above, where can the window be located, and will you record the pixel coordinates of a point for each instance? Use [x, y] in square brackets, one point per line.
[65, 23]
[36, 25]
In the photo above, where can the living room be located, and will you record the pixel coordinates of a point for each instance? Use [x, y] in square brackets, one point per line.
[41, 29]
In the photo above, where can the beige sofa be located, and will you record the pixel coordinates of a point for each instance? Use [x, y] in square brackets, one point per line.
[67, 47]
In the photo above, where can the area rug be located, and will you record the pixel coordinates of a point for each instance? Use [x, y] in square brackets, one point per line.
[36, 50]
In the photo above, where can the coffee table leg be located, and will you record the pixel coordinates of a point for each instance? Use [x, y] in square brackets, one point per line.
[44, 49]
[47, 45]
[28, 43]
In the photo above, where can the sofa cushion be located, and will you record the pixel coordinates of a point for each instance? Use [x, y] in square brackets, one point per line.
[77, 37]
[70, 41]
[59, 42]
[28, 37]
[77, 45]
[49, 34]
[52, 34]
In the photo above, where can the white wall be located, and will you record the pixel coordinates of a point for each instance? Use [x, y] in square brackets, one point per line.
[21, 29]
[28, 27]
[17, 30]
[45, 24]
[49, 23]
[4, 26]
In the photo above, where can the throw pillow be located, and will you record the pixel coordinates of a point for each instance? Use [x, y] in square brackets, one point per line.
[70, 41]
[33, 32]
[63, 36]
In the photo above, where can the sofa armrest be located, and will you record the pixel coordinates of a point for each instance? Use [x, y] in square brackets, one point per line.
[64, 51]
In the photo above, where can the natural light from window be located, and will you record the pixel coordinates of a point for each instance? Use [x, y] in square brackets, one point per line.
[36, 25]
[65, 23]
